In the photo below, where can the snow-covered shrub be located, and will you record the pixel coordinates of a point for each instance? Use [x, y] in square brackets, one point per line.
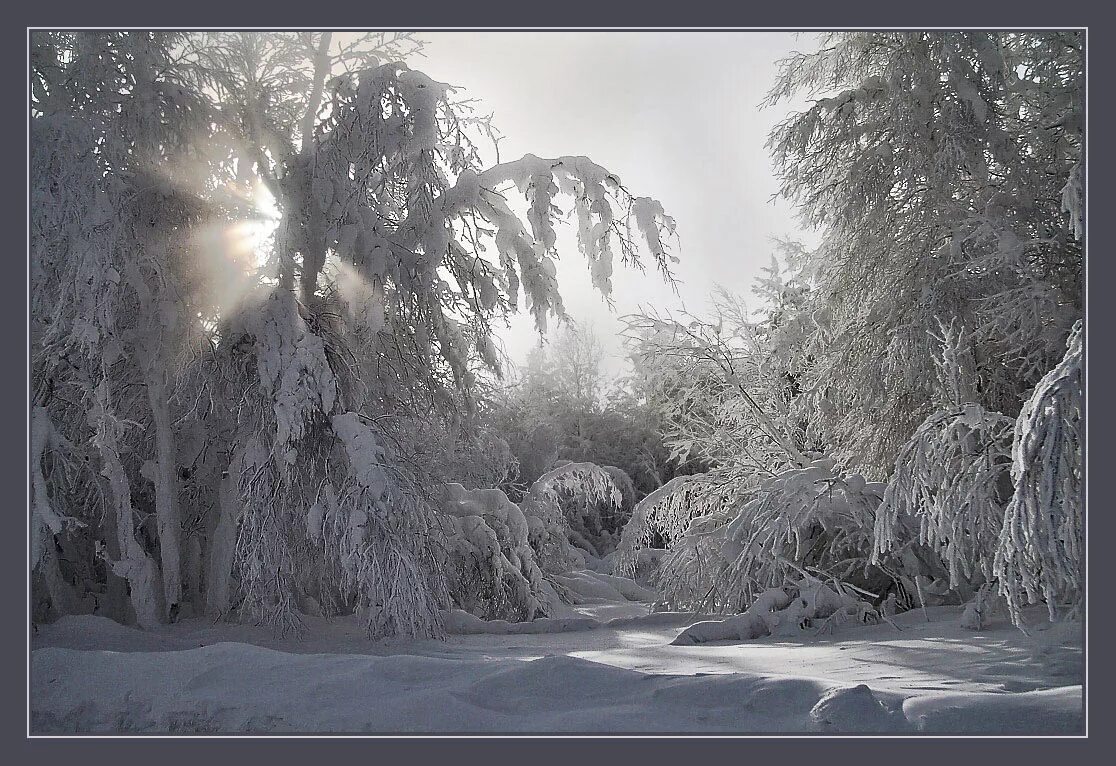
[663, 514]
[495, 569]
[742, 542]
[814, 517]
[980, 610]
[1040, 549]
[505, 558]
[947, 493]
[943, 509]
[579, 500]
[802, 604]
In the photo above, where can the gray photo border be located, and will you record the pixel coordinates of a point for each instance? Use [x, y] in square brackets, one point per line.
[806, 15]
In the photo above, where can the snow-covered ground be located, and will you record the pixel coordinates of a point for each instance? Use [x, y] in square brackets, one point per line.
[605, 666]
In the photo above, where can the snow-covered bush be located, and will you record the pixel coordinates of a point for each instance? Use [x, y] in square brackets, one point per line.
[663, 514]
[495, 570]
[737, 543]
[810, 517]
[951, 482]
[578, 503]
[979, 612]
[948, 492]
[805, 603]
[506, 558]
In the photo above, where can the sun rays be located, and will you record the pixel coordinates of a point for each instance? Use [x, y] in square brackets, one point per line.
[233, 256]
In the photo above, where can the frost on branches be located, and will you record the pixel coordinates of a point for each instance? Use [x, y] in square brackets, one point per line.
[318, 519]
[662, 514]
[1039, 557]
[304, 426]
[950, 482]
[939, 166]
[812, 518]
[947, 493]
[728, 545]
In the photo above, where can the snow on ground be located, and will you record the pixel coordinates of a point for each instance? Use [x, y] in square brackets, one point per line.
[606, 666]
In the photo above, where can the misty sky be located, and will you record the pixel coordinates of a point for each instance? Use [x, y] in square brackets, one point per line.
[674, 114]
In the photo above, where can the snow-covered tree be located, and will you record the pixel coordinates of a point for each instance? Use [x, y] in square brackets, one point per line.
[937, 165]
[119, 159]
[254, 410]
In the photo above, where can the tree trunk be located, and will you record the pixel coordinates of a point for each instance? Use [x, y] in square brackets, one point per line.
[115, 604]
[167, 515]
[162, 472]
[192, 569]
[222, 546]
[140, 570]
[313, 239]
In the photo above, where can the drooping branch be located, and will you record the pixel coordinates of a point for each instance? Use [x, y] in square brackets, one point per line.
[1040, 552]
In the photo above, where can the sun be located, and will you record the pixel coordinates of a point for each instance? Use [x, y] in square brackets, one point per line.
[260, 231]
[266, 204]
[235, 257]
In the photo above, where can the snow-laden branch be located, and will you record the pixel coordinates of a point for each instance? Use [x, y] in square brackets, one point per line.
[1040, 554]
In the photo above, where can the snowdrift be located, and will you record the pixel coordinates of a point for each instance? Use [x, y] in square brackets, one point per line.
[162, 681]
[230, 687]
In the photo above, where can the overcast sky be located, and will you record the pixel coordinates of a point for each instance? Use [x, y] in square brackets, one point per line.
[674, 114]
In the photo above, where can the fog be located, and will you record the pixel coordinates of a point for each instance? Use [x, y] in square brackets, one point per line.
[675, 115]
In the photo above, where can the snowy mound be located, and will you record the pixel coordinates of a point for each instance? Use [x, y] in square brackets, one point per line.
[853, 709]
